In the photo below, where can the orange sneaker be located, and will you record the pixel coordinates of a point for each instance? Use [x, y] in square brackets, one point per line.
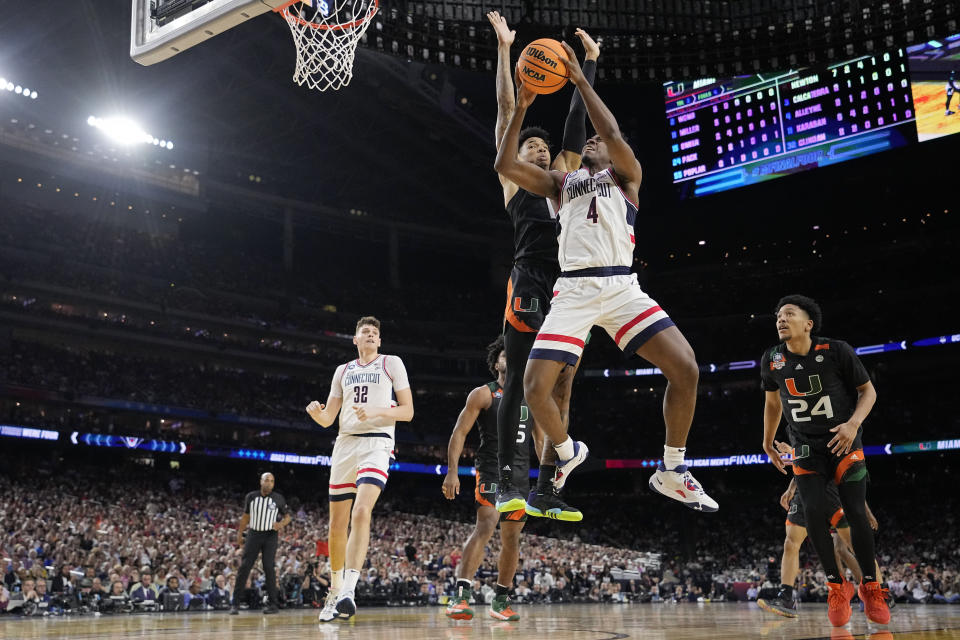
[500, 610]
[460, 610]
[849, 590]
[838, 604]
[875, 602]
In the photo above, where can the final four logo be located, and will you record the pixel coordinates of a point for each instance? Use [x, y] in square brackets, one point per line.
[778, 361]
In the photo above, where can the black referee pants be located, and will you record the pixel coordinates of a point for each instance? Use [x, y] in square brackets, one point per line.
[258, 542]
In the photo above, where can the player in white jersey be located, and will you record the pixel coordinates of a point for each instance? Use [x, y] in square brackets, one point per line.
[597, 210]
[374, 394]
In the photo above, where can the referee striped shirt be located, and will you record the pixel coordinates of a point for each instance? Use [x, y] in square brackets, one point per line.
[264, 511]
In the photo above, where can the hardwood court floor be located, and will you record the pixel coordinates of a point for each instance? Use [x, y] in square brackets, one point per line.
[715, 621]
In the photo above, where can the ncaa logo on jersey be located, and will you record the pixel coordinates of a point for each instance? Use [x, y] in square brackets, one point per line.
[819, 358]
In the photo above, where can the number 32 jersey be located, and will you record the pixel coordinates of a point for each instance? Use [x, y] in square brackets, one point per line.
[373, 384]
[818, 390]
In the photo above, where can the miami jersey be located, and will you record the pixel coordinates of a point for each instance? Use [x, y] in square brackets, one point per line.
[596, 222]
[818, 390]
[373, 384]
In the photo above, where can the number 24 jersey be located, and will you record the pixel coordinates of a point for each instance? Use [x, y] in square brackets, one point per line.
[818, 390]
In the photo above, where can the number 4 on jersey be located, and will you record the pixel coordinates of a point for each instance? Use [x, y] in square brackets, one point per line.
[592, 211]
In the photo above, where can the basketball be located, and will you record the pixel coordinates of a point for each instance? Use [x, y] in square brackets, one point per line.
[542, 66]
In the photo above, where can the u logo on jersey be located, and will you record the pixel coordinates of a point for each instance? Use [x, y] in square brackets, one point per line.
[533, 304]
[815, 386]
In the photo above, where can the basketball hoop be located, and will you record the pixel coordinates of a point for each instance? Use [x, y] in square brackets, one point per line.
[326, 34]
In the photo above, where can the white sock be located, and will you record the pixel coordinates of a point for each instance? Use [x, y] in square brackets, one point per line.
[564, 449]
[350, 577]
[336, 580]
[673, 456]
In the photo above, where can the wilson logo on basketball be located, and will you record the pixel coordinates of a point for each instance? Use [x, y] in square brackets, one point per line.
[539, 55]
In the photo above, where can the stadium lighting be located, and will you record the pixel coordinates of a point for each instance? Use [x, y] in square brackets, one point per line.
[20, 90]
[125, 131]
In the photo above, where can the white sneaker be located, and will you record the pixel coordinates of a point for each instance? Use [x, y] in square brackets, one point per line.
[680, 485]
[564, 467]
[346, 607]
[329, 612]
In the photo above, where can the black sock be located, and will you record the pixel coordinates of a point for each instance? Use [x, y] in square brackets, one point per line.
[463, 588]
[545, 480]
[786, 592]
[502, 590]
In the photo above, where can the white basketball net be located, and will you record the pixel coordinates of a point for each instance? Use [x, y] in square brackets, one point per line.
[326, 34]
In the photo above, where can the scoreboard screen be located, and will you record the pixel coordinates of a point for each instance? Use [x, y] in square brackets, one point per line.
[734, 132]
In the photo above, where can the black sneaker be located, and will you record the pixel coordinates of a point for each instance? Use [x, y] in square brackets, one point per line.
[549, 505]
[779, 605]
[509, 499]
[234, 611]
[270, 609]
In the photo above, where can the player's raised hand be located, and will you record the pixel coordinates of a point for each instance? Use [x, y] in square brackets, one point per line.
[590, 46]
[573, 65]
[774, 456]
[451, 486]
[315, 409]
[505, 35]
[525, 95]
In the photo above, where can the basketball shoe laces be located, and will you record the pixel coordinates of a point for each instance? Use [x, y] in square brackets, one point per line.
[875, 602]
[838, 606]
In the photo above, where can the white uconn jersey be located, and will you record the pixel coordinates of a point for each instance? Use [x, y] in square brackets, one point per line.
[374, 385]
[596, 222]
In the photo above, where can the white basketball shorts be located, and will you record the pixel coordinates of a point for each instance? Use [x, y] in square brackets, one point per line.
[358, 460]
[616, 303]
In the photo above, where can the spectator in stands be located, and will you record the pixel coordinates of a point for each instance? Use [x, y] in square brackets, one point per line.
[219, 595]
[63, 582]
[146, 590]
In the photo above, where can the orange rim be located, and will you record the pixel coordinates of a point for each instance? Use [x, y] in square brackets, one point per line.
[284, 10]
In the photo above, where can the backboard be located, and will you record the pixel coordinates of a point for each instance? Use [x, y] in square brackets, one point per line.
[160, 29]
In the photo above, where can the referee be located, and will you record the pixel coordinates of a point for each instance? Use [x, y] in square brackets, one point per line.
[260, 512]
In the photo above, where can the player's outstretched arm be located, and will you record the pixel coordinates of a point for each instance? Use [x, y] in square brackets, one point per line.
[575, 127]
[605, 124]
[506, 102]
[525, 174]
[772, 410]
[478, 400]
